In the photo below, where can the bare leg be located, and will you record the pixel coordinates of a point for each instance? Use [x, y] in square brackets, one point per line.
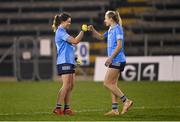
[114, 97]
[64, 89]
[68, 95]
[110, 82]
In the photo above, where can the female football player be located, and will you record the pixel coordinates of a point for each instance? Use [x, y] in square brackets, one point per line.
[116, 59]
[65, 61]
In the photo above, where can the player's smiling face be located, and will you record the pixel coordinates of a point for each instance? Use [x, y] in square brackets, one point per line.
[67, 23]
[107, 20]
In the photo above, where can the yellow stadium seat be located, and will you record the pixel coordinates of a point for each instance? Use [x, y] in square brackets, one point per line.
[92, 58]
[127, 10]
[126, 21]
[98, 45]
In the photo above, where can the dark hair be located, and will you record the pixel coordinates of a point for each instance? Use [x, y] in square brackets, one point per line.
[58, 19]
[115, 16]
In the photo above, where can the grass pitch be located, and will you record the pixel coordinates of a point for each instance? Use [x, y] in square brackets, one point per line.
[35, 101]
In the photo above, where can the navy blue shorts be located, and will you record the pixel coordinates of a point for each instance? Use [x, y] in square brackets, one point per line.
[65, 68]
[119, 66]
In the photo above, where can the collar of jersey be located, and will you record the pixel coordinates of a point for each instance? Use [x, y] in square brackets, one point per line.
[60, 27]
[113, 27]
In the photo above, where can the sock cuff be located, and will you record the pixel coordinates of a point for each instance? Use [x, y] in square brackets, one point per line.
[66, 106]
[123, 98]
[114, 105]
[58, 105]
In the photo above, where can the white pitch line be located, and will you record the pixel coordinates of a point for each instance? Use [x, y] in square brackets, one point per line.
[157, 107]
[88, 110]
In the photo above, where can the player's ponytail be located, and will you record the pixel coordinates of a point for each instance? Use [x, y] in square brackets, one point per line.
[58, 19]
[56, 23]
[119, 18]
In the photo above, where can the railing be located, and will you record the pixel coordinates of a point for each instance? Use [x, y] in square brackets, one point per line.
[28, 63]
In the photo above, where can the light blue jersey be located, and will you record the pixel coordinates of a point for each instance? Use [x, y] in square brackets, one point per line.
[113, 35]
[65, 50]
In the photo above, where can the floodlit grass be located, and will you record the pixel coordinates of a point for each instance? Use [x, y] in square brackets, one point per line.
[36, 100]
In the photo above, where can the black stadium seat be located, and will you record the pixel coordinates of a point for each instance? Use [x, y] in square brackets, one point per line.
[156, 21]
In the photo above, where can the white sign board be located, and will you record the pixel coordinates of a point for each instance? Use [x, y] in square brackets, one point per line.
[100, 69]
[45, 47]
[154, 67]
[162, 68]
[82, 52]
[176, 68]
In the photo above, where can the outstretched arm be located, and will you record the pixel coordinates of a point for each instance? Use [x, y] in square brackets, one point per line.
[96, 34]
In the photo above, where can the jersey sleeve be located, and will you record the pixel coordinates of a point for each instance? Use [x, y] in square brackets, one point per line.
[119, 33]
[62, 35]
[65, 36]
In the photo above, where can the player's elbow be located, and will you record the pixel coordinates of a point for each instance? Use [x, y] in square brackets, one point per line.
[119, 47]
[102, 38]
[74, 41]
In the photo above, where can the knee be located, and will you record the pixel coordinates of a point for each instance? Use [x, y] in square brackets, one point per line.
[72, 86]
[106, 84]
[67, 87]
